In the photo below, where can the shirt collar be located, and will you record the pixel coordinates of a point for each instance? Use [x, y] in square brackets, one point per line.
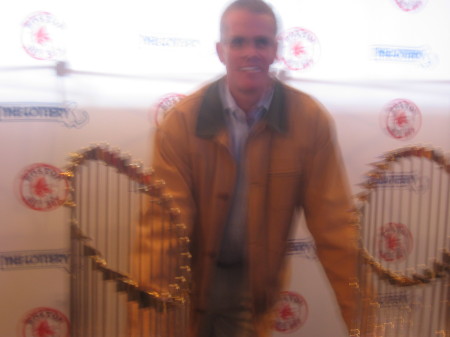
[211, 115]
[230, 105]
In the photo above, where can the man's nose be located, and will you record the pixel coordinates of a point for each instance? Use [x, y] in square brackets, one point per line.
[251, 49]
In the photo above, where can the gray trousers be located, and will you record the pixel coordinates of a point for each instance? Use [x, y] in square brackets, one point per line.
[229, 313]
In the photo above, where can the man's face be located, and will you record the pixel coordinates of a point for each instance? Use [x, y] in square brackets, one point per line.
[247, 49]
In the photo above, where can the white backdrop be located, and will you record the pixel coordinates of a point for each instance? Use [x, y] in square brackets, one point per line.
[73, 73]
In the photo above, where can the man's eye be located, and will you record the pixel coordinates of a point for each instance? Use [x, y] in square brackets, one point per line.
[237, 42]
[261, 42]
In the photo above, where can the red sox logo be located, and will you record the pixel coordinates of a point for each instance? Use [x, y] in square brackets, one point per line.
[291, 312]
[165, 104]
[42, 36]
[42, 187]
[298, 48]
[45, 322]
[395, 242]
[402, 119]
[410, 5]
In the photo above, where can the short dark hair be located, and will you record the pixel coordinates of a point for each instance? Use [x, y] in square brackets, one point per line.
[253, 6]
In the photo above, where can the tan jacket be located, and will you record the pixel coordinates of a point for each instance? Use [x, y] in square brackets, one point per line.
[292, 163]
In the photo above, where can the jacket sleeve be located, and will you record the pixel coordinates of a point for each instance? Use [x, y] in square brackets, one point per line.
[329, 214]
[160, 249]
[158, 256]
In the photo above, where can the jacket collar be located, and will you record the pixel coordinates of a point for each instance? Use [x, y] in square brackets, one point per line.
[211, 116]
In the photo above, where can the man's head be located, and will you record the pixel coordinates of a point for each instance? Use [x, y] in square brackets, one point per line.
[247, 44]
[253, 6]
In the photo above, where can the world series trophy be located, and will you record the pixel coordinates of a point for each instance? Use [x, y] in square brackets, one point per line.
[404, 271]
[130, 260]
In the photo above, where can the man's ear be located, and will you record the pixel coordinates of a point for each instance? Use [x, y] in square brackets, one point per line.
[219, 51]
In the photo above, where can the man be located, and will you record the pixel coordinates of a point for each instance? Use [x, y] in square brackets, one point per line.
[241, 157]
